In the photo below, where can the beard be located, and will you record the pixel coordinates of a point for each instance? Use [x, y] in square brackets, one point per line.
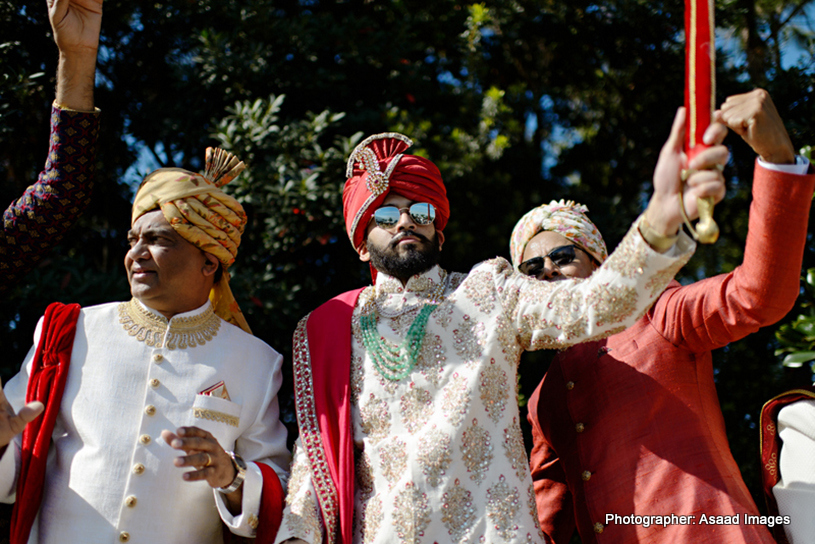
[404, 263]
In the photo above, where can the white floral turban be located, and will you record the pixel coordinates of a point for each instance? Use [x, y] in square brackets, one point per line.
[565, 218]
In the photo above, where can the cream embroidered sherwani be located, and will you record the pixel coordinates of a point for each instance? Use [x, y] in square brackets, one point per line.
[439, 454]
[110, 477]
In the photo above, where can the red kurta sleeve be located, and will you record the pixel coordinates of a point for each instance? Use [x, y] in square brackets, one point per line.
[713, 312]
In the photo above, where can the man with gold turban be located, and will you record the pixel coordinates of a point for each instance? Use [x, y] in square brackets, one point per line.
[405, 389]
[631, 424]
[160, 418]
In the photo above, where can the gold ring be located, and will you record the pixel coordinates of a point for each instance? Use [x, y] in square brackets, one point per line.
[209, 460]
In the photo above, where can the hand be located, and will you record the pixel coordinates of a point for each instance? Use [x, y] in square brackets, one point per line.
[209, 459]
[663, 212]
[753, 117]
[76, 25]
[12, 424]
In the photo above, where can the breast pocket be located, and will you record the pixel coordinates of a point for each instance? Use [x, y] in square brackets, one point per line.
[219, 416]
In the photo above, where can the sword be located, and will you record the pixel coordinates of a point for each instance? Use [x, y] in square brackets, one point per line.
[700, 101]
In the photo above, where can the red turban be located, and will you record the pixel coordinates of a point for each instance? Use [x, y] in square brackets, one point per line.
[377, 167]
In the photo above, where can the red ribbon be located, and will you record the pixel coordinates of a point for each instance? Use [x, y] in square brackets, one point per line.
[700, 72]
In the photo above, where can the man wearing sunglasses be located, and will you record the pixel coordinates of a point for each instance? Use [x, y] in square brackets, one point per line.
[631, 425]
[404, 390]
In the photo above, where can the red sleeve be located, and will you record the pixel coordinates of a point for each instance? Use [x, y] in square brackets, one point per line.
[552, 495]
[714, 312]
[271, 506]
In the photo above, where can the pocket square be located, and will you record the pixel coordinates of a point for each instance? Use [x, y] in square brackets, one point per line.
[217, 390]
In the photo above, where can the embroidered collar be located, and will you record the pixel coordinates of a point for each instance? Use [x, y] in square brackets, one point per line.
[188, 329]
[392, 299]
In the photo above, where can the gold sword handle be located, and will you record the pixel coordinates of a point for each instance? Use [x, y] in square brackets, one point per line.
[706, 231]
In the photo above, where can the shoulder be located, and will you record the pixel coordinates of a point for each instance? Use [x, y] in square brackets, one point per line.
[243, 343]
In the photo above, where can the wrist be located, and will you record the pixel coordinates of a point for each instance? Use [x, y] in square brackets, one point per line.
[240, 474]
[783, 157]
[657, 238]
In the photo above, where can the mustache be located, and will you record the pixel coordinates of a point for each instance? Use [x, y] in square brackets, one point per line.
[404, 234]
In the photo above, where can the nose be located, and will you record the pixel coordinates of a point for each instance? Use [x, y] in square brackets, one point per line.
[137, 251]
[551, 270]
[405, 221]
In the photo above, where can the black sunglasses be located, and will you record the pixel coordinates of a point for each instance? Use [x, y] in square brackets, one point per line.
[422, 213]
[560, 256]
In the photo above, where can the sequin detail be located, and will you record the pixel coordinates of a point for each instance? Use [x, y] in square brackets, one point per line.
[411, 514]
[503, 507]
[434, 455]
[476, 448]
[183, 332]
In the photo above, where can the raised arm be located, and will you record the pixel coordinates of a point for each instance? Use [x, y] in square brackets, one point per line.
[38, 220]
[713, 312]
[76, 25]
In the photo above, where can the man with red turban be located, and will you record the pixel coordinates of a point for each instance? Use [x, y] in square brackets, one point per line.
[405, 390]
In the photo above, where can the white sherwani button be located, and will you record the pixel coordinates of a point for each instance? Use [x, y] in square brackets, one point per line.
[150, 410]
[124, 536]
[154, 383]
[157, 358]
[131, 501]
[145, 439]
[138, 468]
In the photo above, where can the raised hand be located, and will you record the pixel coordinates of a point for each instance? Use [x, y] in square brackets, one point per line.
[753, 116]
[663, 212]
[11, 423]
[76, 24]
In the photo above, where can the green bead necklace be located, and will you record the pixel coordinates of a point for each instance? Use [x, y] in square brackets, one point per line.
[394, 362]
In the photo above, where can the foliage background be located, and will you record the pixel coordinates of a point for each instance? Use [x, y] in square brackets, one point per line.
[517, 102]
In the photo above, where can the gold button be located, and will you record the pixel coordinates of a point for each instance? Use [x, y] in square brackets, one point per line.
[579, 427]
[145, 439]
[586, 475]
[569, 385]
[150, 410]
[130, 501]
[124, 536]
[155, 383]
[138, 468]
[157, 358]
[598, 528]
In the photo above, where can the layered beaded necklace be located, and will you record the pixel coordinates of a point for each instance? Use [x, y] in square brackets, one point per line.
[396, 361]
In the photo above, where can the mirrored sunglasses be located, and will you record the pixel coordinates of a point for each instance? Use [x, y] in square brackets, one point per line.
[422, 213]
[560, 256]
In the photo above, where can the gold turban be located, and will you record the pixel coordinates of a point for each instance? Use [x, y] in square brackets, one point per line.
[204, 215]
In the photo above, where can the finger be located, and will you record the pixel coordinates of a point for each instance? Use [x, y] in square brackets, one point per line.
[198, 475]
[706, 188]
[715, 134]
[195, 444]
[193, 432]
[27, 413]
[199, 460]
[710, 158]
[168, 437]
[677, 136]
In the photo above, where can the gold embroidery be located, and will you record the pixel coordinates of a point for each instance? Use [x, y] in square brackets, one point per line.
[375, 419]
[480, 289]
[302, 518]
[371, 519]
[612, 304]
[495, 390]
[434, 455]
[417, 407]
[411, 514]
[212, 415]
[503, 506]
[456, 399]
[515, 451]
[393, 460]
[470, 338]
[432, 359]
[151, 328]
[364, 475]
[476, 448]
[310, 432]
[458, 513]
[533, 512]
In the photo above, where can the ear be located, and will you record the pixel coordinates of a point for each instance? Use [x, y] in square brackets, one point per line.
[210, 264]
[440, 234]
[364, 255]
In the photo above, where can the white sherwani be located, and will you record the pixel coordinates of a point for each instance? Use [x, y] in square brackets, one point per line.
[439, 454]
[110, 477]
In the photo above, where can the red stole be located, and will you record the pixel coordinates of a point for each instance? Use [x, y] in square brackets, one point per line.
[46, 384]
[771, 445]
[322, 374]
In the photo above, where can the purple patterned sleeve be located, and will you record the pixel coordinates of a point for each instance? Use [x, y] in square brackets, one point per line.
[38, 220]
